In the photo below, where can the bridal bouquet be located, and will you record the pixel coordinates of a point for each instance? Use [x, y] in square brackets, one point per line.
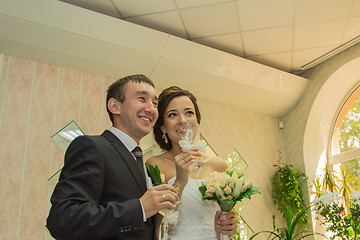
[227, 188]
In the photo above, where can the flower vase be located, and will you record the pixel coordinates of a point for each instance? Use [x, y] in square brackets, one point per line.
[222, 236]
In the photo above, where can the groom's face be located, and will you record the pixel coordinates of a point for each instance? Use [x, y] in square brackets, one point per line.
[138, 113]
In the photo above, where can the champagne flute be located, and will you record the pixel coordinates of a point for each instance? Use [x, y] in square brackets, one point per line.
[190, 138]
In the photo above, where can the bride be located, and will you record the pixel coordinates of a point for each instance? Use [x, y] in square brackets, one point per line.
[198, 219]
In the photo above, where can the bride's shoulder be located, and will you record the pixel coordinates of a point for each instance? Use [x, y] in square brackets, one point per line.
[217, 163]
[163, 163]
[159, 159]
[155, 159]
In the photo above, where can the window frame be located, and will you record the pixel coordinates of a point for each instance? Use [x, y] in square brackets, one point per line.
[334, 156]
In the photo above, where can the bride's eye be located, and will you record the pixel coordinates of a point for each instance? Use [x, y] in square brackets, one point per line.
[190, 112]
[171, 115]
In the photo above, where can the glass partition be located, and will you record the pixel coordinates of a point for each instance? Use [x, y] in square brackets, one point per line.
[66, 135]
[62, 140]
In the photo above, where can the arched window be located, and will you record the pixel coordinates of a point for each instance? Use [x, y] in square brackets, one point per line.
[344, 152]
[330, 138]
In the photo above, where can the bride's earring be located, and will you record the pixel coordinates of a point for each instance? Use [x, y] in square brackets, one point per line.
[165, 137]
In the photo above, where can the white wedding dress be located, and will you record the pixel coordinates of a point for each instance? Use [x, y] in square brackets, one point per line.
[196, 216]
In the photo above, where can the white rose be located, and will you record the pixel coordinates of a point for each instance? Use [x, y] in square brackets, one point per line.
[210, 188]
[227, 190]
[218, 190]
[246, 187]
[238, 186]
[208, 193]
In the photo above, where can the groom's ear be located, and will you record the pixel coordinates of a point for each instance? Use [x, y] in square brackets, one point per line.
[113, 106]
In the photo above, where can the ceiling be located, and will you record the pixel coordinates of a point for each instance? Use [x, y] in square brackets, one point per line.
[261, 43]
[290, 35]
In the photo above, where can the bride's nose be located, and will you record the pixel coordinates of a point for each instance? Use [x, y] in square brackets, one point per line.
[182, 119]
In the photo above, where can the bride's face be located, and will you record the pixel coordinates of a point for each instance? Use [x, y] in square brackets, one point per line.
[179, 113]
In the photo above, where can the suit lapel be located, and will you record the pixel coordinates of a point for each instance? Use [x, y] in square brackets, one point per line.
[128, 158]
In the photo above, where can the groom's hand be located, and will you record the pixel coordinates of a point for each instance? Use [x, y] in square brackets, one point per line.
[157, 198]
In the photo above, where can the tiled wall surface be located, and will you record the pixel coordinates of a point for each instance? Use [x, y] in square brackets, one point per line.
[37, 99]
[259, 141]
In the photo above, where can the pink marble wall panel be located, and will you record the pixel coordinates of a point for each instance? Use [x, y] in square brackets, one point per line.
[8, 228]
[39, 151]
[92, 104]
[106, 120]
[4, 63]
[68, 103]
[68, 106]
[13, 143]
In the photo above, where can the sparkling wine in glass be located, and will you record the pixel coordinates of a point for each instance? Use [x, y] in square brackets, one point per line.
[190, 138]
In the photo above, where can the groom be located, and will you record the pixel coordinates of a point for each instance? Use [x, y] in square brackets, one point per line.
[103, 191]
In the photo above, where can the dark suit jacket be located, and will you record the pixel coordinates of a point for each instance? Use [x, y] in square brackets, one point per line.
[97, 196]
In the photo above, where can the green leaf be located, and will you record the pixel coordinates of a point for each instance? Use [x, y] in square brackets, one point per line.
[226, 205]
[155, 173]
[286, 190]
[202, 190]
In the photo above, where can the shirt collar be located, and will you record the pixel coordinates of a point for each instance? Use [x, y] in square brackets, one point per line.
[129, 143]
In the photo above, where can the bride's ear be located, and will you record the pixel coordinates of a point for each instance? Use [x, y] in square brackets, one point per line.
[113, 106]
[163, 130]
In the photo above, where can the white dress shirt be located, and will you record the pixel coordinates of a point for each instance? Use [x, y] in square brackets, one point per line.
[130, 144]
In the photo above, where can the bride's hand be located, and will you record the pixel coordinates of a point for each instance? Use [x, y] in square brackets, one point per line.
[183, 161]
[226, 226]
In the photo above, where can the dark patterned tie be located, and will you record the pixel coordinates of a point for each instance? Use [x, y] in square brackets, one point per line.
[139, 159]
